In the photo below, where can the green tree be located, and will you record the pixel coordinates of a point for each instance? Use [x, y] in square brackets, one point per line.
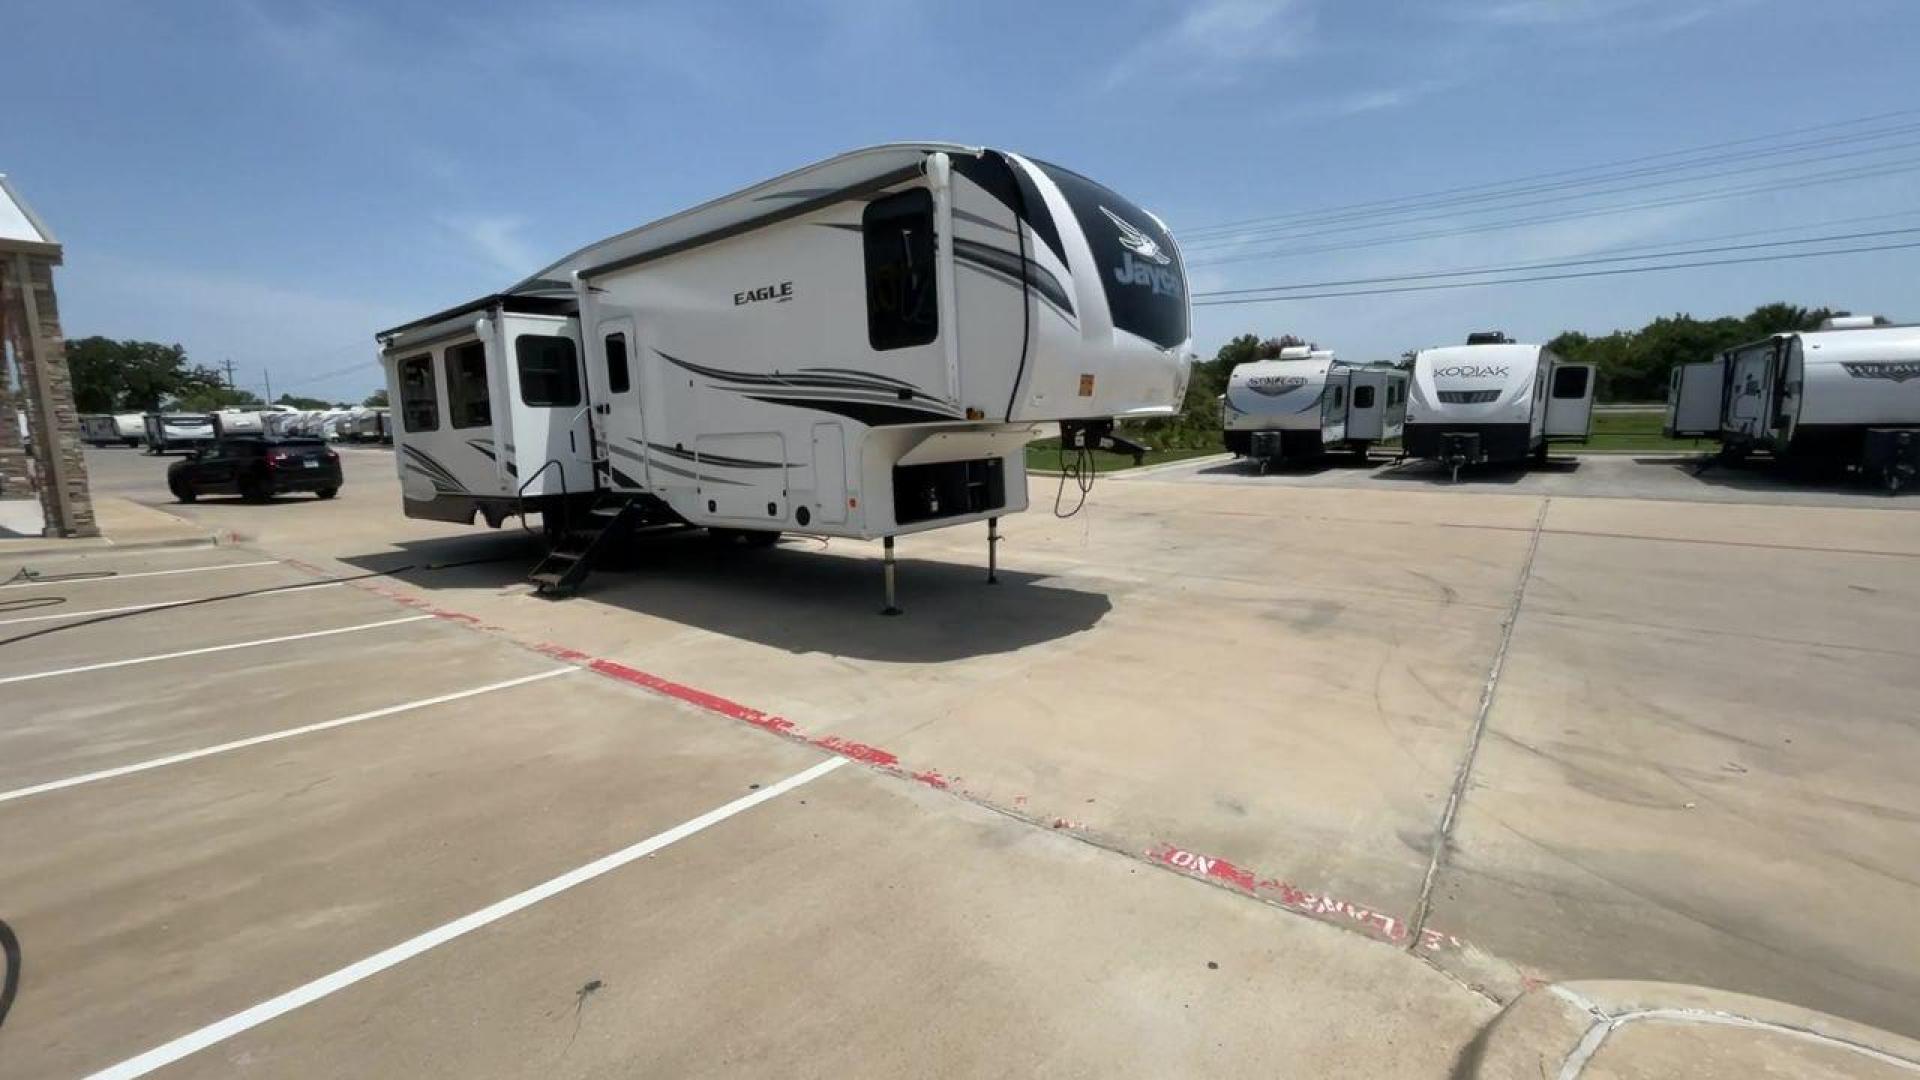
[212, 398]
[131, 376]
[377, 399]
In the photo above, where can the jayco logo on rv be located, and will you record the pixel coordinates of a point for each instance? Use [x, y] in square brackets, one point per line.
[1472, 371]
[1896, 371]
[1142, 263]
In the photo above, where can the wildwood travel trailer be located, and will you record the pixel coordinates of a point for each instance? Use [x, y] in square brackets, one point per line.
[1847, 394]
[1494, 400]
[862, 348]
[1307, 402]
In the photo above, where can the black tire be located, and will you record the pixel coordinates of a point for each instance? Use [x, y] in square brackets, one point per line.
[182, 492]
[1540, 453]
[327, 493]
[254, 490]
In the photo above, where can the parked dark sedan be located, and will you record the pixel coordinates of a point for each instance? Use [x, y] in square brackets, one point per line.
[256, 469]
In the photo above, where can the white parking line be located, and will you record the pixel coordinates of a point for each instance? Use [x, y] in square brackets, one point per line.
[239, 1022]
[274, 736]
[129, 577]
[209, 649]
[156, 606]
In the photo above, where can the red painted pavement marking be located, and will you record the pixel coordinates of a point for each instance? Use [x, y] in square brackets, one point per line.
[1373, 922]
[1191, 863]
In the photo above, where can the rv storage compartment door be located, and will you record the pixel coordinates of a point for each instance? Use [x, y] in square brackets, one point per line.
[830, 473]
[744, 477]
[1570, 402]
[948, 489]
[1693, 400]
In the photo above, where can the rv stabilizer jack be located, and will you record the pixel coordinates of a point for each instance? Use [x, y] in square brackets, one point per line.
[1098, 435]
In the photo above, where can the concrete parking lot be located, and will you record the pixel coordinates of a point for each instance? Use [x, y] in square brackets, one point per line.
[1477, 739]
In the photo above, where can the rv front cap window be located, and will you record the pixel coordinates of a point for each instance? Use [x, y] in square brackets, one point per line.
[419, 400]
[468, 405]
[1570, 382]
[549, 370]
[1140, 268]
[897, 237]
[617, 379]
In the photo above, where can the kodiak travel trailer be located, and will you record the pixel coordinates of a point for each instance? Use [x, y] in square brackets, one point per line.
[862, 348]
[1306, 403]
[1847, 394]
[1493, 400]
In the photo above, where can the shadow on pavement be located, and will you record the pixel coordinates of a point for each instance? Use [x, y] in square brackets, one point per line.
[1767, 475]
[1312, 466]
[1504, 472]
[798, 596]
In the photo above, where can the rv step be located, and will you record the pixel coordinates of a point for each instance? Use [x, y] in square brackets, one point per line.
[546, 578]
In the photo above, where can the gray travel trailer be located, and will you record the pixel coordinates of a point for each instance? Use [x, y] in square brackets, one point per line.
[1495, 400]
[1306, 403]
[168, 433]
[1847, 394]
[861, 348]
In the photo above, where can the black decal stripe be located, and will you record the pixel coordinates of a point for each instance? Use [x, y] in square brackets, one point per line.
[976, 219]
[622, 478]
[1016, 283]
[487, 450]
[1009, 263]
[872, 414]
[862, 374]
[798, 381]
[713, 459]
[802, 394]
[433, 469]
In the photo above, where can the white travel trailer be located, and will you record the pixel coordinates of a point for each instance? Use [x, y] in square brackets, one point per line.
[1843, 394]
[167, 433]
[861, 348]
[103, 429]
[1307, 402]
[1493, 400]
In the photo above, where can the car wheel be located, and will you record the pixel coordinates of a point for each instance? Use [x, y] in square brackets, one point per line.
[182, 491]
[327, 493]
[255, 490]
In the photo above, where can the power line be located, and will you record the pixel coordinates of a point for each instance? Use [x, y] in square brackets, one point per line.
[1576, 170]
[1354, 222]
[1859, 173]
[1562, 264]
[1554, 277]
[1834, 174]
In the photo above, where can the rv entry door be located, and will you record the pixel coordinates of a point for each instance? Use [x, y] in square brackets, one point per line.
[1570, 401]
[619, 433]
[1367, 407]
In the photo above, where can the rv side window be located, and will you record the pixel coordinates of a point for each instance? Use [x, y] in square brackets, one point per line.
[1570, 382]
[617, 381]
[897, 236]
[1363, 397]
[468, 405]
[549, 370]
[419, 401]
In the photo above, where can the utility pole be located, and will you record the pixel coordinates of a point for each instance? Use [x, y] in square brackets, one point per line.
[269, 377]
[229, 372]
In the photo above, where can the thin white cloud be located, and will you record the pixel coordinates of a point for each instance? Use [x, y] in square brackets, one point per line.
[495, 238]
[1622, 15]
[1216, 40]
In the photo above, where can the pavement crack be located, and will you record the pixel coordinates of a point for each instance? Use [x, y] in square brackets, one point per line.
[1443, 832]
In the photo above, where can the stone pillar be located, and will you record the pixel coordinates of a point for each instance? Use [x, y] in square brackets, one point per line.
[15, 478]
[32, 325]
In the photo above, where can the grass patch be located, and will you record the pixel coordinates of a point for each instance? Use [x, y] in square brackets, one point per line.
[1633, 432]
[1044, 456]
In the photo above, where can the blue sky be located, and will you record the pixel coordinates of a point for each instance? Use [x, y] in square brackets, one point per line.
[273, 182]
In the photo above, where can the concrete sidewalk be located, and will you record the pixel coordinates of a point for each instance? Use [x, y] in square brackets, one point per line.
[1619, 1030]
[124, 526]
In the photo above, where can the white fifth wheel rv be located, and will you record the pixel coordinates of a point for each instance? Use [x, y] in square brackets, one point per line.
[1494, 400]
[1307, 402]
[1845, 394]
[861, 348]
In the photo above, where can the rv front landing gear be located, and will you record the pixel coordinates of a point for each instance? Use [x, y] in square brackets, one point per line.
[993, 551]
[891, 608]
